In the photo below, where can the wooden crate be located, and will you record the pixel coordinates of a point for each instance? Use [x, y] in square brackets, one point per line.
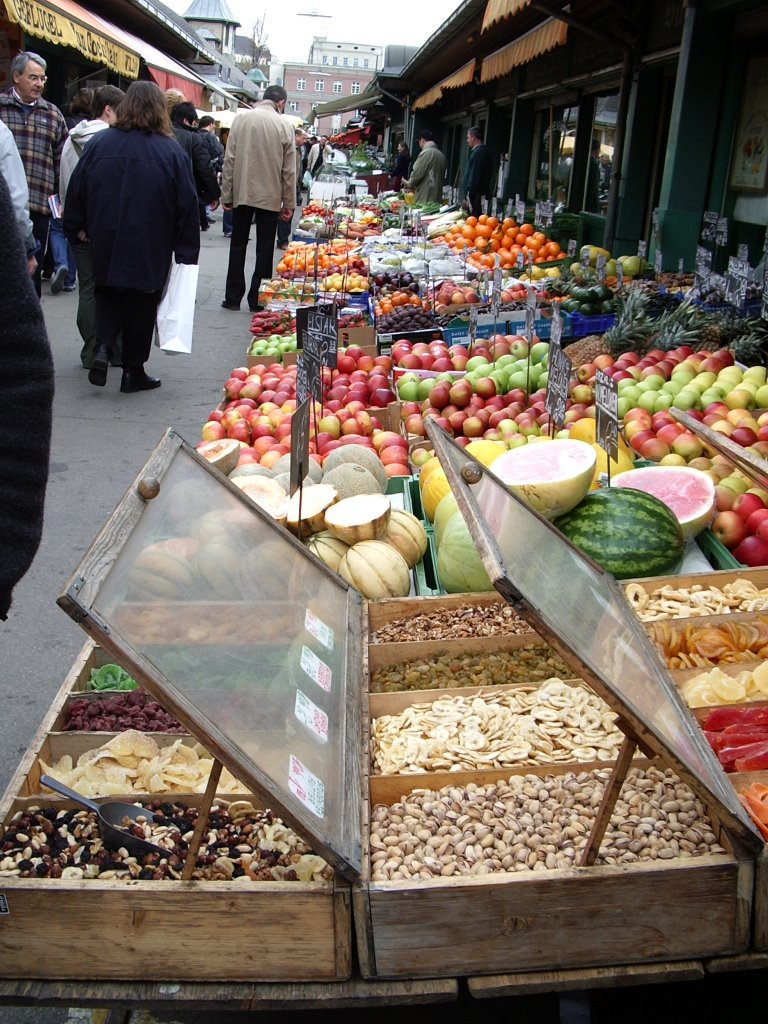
[193, 931]
[574, 918]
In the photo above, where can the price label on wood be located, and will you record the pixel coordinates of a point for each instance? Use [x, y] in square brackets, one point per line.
[607, 406]
[642, 249]
[558, 378]
[736, 282]
[709, 226]
[600, 268]
[299, 445]
[658, 262]
[572, 244]
[721, 231]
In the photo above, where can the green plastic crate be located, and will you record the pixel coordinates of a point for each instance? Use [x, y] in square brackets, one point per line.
[718, 556]
[427, 582]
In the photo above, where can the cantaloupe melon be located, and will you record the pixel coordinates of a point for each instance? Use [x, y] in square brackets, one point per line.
[376, 570]
[307, 508]
[361, 517]
[329, 549]
[350, 479]
[406, 534]
[360, 456]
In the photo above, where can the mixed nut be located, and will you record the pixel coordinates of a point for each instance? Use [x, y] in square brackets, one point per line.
[536, 824]
[530, 663]
[467, 620]
[241, 844]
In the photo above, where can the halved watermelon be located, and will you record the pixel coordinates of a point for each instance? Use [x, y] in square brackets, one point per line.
[689, 492]
[552, 478]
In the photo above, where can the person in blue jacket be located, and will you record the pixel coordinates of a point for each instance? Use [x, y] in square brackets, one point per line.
[133, 199]
[479, 173]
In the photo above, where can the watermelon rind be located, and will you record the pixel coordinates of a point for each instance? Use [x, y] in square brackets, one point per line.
[552, 478]
[629, 533]
[689, 492]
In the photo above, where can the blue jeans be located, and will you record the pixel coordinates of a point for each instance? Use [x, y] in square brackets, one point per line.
[61, 251]
[226, 222]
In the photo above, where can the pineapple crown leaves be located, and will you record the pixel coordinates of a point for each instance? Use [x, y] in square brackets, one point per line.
[632, 328]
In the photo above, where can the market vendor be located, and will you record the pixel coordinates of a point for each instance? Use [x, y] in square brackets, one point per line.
[428, 171]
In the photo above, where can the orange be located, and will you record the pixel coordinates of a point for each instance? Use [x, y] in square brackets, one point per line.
[493, 221]
[540, 236]
[495, 244]
[481, 243]
[471, 221]
[483, 218]
[534, 243]
[508, 223]
[526, 229]
[468, 232]
[483, 231]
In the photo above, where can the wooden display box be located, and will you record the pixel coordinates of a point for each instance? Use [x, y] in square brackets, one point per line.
[175, 931]
[572, 918]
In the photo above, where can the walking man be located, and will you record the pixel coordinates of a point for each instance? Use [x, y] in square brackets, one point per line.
[477, 177]
[258, 183]
[40, 132]
[284, 226]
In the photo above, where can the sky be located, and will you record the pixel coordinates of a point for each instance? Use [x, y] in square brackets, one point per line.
[289, 36]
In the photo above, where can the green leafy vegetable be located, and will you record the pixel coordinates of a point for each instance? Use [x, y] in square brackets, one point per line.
[111, 677]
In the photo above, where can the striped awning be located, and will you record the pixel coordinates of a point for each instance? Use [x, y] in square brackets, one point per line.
[463, 76]
[498, 10]
[539, 40]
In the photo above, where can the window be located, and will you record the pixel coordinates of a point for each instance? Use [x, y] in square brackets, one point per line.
[335, 61]
[366, 62]
[294, 106]
[337, 86]
[355, 62]
[345, 62]
[553, 160]
[301, 84]
[325, 58]
[355, 88]
[319, 85]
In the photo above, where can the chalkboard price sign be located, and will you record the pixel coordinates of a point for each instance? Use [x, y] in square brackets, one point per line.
[299, 445]
[558, 378]
[607, 405]
[317, 334]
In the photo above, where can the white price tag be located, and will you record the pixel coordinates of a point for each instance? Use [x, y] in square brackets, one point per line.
[316, 669]
[306, 786]
[318, 629]
[312, 716]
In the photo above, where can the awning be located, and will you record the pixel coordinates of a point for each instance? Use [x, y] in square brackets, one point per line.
[340, 106]
[539, 40]
[498, 10]
[463, 76]
[66, 23]
[169, 74]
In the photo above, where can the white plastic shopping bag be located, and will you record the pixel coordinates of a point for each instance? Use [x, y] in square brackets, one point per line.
[176, 312]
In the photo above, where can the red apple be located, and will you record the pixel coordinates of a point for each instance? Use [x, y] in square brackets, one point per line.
[751, 551]
[212, 431]
[729, 529]
[747, 503]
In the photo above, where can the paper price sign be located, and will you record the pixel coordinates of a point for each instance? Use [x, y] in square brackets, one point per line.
[312, 716]
[642, 249]
[742, 252]
[556, 327]
[316, 669]
[520, 261]
[708, 226]
[520, 207]
[607, 406]
[655, 224]
[495, 305]
[619, 274]
[585, 260]
[600, 268]
[318, 629]
[496, 293]
[530, 321]
[658, 262]
[299, 445]
[472, 325]
[546, 212]
[537, 214]
[703, 257]
[558, 378]
[306, 786]
[721, 231]
[736, 282]
[572, 243]
[765, 242]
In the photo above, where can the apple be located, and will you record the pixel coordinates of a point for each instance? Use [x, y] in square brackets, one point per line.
[688, 445]
[744, 436]
[461, 393]
[653, 449]
[728, 528]
[747, 503]
[212, 431]
[638, 439]
[751, 551]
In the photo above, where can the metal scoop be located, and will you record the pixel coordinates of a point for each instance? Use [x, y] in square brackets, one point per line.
[111, 817]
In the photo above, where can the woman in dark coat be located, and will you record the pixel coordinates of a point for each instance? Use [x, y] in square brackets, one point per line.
[400, 168]
[133, 198]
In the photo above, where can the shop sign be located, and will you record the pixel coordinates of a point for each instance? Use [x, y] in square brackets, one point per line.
[55, 27]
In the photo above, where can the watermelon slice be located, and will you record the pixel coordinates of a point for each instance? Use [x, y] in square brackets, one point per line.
[551, 476]
[689, 492]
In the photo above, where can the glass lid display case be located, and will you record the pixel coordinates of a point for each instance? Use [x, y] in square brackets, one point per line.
[582, 611]
[247, 638]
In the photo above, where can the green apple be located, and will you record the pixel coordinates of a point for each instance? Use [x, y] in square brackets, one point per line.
[663, 401]
[475, 362]
[539, 351]
[686, 400]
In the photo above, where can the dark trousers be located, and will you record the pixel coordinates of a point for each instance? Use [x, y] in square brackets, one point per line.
[133, 313]
[266, 226]
[86, 307]
[41, 223]
[476, 203]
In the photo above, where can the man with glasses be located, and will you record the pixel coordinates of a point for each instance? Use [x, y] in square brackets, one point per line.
[40, 132]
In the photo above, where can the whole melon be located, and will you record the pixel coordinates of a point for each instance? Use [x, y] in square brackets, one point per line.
[459, 567]
[283, 465]
[329, 549]
[284, 479]
[406, 534]
[376, 570]
[250, 469]
[689, 492]
[434, 490]
[447, 507]
[629, 533]
[486, 451]
[350, 479]
[552, 478]
[360, 456]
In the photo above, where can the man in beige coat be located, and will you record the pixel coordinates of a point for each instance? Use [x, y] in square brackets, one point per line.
[258, 184]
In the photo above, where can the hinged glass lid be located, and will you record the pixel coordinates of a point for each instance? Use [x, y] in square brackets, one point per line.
[582, 610]
[236, 629]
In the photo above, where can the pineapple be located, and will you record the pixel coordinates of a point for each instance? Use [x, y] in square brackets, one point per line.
[632, 330]
[750, 347]
[679, 326]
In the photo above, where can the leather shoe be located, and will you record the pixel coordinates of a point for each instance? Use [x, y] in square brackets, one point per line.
[137, 380]
[230, 305]
[256, 309]
[97, 373]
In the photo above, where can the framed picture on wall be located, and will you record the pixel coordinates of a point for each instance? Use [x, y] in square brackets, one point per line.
[749, 165]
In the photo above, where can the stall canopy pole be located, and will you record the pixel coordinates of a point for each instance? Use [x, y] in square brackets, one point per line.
[549, 160]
